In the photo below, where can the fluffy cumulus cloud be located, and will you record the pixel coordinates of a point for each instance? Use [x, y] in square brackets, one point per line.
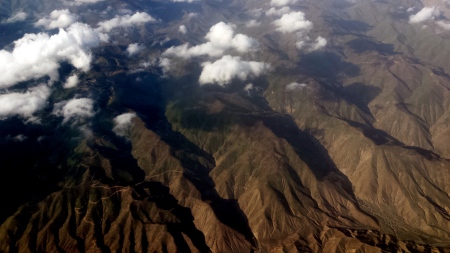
[122, 124]
[319, 43]
[224, 70]
[38, 55]
[24, 104]
[305, 42]
[293, 22]
[165, 64]
[296, 22]
[57, 19]
[253, 23]
[72, 81]
[76, 110]
[282, 2]
[134, 48]
[220, 38]
[20, 16]
[427, 13]
[182, 29]
[278, 12]
[125, 21]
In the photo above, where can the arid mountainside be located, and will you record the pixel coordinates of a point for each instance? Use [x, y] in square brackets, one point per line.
[235, 126]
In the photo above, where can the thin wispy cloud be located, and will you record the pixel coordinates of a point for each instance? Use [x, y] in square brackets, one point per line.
[17, 17]
[125, 21]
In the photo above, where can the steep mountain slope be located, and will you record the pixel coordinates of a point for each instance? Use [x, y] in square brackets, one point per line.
[337, 149]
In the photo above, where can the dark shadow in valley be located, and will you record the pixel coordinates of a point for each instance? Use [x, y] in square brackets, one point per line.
[359, 94]
[313, 153]
[33, 160]
[124, 167]
[361, 45]
[309, 149]
[159, 194]
[347, 27]
[377, 136]
[326, 65]
[329, 69]
[380, 137]
[197, 164]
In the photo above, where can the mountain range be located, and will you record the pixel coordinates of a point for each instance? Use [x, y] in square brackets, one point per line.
[225, 126]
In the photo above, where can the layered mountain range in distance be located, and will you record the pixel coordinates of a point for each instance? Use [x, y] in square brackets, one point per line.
[225, 126]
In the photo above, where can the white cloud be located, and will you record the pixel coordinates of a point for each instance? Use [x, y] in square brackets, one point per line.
[76, 110]
[191, 14]
[224, 70]
[282, 2]
[295, 86]
[24, 104]
[72, 81]
[427, 13]
[165, 64]
[220, 38]
[20, 16]
[293, 22]
[38, 55]
[443, 24]
[125, 21]
[134, 48]
[253, 23]
[220, 35]
[242, 43]
[319, 43]
[57, 19]
[182, 29]
[122, 124]
[306, 43]
[278, 12]
[248, 87]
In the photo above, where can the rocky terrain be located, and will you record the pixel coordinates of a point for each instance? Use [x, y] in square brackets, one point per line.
[229, 126]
